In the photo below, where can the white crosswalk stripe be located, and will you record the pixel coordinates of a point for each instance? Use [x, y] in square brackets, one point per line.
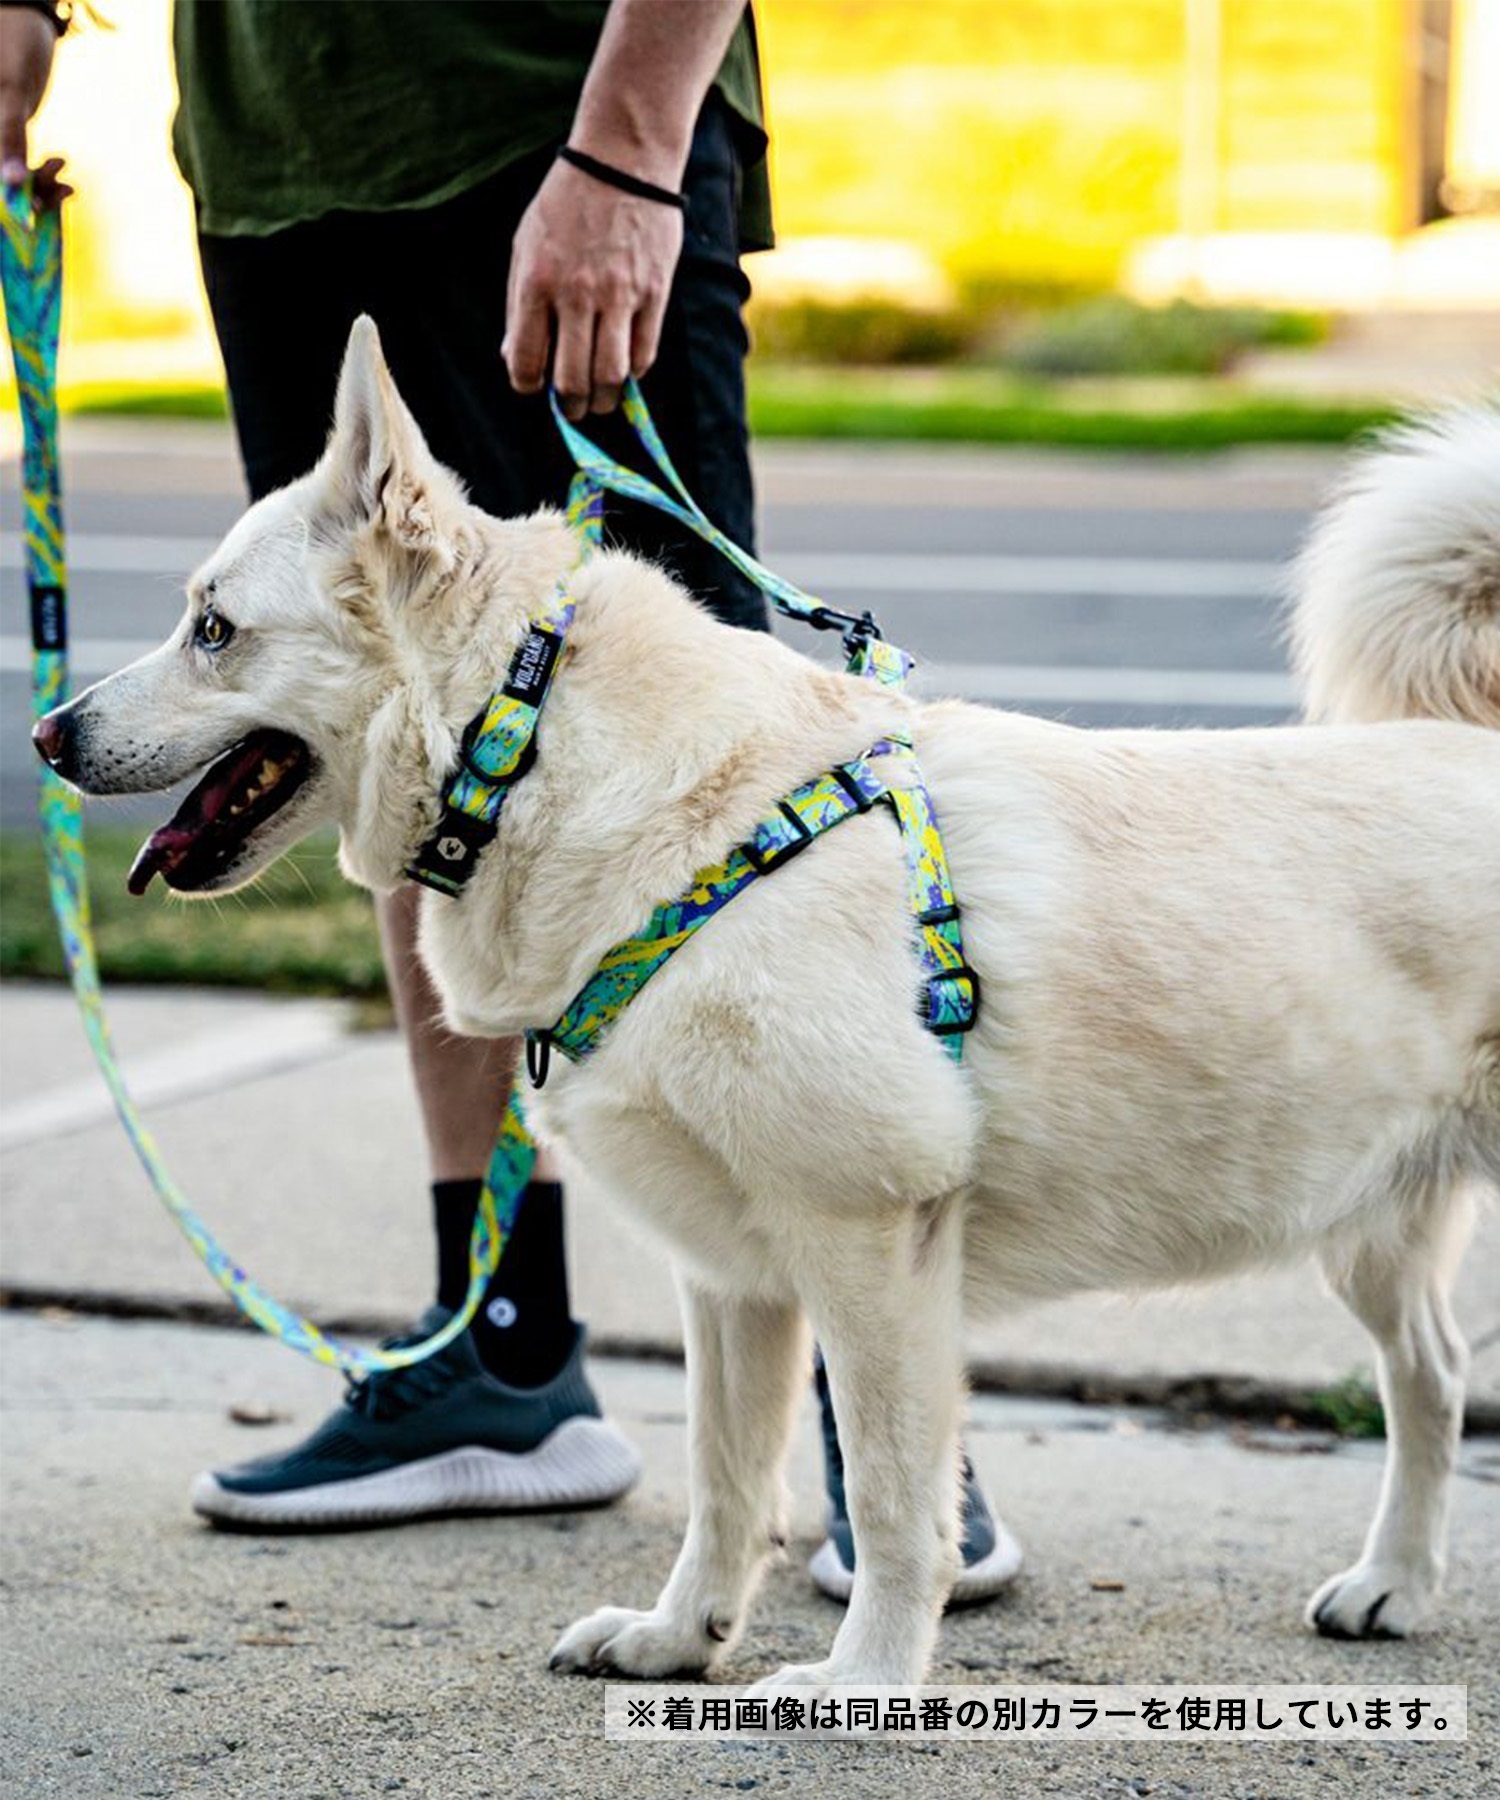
[1165, 578]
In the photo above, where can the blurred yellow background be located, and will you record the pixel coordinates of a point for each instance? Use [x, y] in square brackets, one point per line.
[1291, 151]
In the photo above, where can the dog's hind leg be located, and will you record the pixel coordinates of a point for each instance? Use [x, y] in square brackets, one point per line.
[1398, 1289]
[886, 1304]
[747, 1367]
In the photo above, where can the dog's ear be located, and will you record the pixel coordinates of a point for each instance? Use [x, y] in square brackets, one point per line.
[377, 467]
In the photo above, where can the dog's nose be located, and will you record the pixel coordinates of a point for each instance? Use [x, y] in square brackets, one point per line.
[54, 742]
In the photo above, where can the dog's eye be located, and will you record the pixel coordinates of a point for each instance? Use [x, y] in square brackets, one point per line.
[213, 632]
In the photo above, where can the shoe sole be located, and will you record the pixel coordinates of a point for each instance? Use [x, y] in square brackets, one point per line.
[585, 1462]
[979, 1581]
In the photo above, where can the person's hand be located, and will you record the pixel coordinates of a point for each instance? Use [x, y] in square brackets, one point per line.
[597, 264]
[27, 42]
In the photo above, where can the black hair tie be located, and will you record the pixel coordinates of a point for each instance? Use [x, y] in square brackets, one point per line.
[621, 179]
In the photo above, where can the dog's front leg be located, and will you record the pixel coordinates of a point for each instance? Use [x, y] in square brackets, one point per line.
[888, 1312]
[747, 1361]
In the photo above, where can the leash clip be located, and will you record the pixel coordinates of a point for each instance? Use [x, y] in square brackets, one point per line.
[858, 628]
[863, 632]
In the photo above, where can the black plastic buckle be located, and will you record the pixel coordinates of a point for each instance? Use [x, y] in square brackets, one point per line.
[941, 1029]
[451, 855]
[763, 861]
[538, 1057]
[858, 628]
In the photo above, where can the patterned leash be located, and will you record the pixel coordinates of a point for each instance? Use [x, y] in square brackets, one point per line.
[31, 268]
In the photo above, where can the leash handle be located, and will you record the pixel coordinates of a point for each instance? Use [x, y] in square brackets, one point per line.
[31, 273]
[31, 267]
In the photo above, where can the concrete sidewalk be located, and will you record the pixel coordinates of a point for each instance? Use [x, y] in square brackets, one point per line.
[145, 1655]
[298, 1141]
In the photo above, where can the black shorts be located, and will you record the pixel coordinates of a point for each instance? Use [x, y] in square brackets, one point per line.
[434, 280]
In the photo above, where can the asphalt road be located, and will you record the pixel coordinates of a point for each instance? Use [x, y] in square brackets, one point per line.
[1104, 590]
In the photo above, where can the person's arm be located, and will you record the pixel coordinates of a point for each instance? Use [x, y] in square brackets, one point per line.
[28, 36]
[589, 260]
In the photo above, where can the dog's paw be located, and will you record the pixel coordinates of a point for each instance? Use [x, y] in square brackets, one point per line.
[618, 1641]
[791, 1677]
[803, 1679]
[1372, 1600]
[820, 1689]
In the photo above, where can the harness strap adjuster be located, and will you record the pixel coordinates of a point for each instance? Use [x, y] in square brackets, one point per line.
[862, 797]
[950, 1001]
[771, 856]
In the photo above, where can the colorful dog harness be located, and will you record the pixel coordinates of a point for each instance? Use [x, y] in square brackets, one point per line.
[950, 991]
[500, 743]
[498, 748]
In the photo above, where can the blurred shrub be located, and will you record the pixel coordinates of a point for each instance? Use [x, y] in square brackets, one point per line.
[860, 331]
[1111, 335]
[1026, 329]
[1351, 1407]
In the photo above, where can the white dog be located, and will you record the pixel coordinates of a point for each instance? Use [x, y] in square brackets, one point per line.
[1241, 989]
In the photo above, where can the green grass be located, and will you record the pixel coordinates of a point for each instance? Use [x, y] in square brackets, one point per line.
[301, 929]
[981, 406]
[954, 404]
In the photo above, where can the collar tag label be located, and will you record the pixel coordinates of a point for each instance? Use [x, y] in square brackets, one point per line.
[49, 619]
[531, 669]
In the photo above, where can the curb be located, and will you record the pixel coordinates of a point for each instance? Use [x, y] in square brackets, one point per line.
[1189, 1398]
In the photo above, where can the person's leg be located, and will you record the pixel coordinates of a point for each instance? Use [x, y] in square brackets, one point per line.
[434, 280]
[459, 1080]
[505, 1417]
[525, 1331]
[507, 449]
[282, 308]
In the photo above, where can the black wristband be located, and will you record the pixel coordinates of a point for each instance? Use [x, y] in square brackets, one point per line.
[622, 179]
[49, 10]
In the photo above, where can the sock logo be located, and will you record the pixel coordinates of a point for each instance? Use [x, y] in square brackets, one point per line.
[501, 1312]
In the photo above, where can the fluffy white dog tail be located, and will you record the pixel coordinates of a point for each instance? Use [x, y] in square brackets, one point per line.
[1397, 612]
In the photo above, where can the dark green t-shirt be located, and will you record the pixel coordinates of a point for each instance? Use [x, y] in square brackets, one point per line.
[290, 109]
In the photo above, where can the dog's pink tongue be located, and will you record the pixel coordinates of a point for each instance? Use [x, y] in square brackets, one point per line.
[161, 852]
[169, 844]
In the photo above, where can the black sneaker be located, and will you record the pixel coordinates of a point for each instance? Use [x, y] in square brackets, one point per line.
[992, 1557]
[441, 1436]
